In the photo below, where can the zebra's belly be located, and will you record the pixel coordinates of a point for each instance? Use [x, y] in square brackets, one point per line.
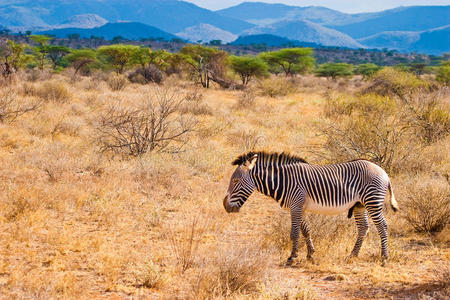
[315, 207]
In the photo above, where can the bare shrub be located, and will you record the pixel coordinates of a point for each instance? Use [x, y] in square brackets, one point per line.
[185, 250]
[232, 272]
[147, 75]
[11, 108]
[116, 82]
[53, 91]
[429, 113]
[246, 139]
[372, 127]
[154, 126]
[276, 86]
[428, 206]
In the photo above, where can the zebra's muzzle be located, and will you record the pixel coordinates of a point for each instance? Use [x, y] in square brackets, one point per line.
[228, 208]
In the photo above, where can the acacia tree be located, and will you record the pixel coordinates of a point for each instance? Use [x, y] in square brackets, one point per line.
[12, 57]
[335, 70]
[81, 58]
[248, 67]
[205, 63]
[290, 60]
[41, 50]
[118, 57]
[367, 70]
[56, 53]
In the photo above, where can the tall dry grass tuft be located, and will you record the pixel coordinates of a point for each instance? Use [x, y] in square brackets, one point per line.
[232, 272]
[53, 90]
[117, 82]
[277, 87]
[185, 249]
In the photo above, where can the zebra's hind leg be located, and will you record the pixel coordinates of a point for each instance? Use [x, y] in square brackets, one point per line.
[376, 214]
[362, 223]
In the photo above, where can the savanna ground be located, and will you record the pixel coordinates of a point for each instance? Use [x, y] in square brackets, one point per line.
[79, 220]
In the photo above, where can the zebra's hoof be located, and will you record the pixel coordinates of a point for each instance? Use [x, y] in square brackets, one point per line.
[311, 260]
[289, 261]
[349, 259]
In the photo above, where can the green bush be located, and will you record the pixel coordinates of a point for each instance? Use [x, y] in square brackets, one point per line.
[335, 70]
[443, 74]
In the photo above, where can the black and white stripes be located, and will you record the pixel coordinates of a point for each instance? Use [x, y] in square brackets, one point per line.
[358, 186]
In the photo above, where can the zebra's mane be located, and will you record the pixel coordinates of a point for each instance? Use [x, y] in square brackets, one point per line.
[272, 157]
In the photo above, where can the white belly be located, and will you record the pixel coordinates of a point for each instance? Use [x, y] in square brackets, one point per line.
[311, 206]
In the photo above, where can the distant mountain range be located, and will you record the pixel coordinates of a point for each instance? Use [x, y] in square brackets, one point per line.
[206, 33]
[414, 28]
[128, 30]
[306, 31]
[429, 41]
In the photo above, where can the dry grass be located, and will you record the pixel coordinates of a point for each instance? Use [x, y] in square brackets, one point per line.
[76, 223]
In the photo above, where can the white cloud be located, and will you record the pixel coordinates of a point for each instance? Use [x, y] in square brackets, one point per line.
[351, 6]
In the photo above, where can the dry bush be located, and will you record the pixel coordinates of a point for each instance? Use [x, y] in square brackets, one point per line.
[427, 208]
[53, 91]
[11, 107]
[232, 272]
[147, 75]
[276, 86]
[389, 82]
[429, 113]
[185, 250]
[372, 127]
[155, 125]
[116, 82]
[149, 275]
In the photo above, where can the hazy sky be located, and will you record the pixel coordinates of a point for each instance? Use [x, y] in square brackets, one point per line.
[341, 5]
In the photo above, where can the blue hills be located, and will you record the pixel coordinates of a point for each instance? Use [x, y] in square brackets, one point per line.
[413, 28]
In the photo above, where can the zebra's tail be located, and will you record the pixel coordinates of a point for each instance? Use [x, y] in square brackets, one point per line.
[394, 203]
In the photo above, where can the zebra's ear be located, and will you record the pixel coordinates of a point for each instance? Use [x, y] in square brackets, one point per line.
[252, 161]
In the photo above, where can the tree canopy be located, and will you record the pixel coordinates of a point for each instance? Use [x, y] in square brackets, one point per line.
[290, 60]
[335, 70]
[248, 67]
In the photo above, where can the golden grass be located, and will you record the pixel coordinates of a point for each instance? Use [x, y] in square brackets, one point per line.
[78, 224]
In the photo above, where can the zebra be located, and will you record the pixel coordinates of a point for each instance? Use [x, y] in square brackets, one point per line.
[357, 187]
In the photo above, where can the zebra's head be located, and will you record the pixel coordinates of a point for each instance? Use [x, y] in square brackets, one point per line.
[241, 183]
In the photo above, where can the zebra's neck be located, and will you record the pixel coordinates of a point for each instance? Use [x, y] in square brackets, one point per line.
[271, 180]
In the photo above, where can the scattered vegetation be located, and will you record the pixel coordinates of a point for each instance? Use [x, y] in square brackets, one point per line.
[109, 155]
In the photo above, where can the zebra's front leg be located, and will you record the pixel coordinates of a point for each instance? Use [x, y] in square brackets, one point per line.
[309, 244]
[362, 223]
[295, 228]
[296, 220]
